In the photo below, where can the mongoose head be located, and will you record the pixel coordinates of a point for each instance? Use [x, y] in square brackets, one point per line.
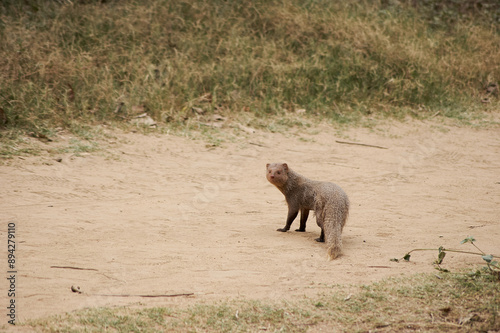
[277, 173]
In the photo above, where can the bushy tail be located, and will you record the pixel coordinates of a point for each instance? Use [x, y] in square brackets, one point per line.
[334, 220]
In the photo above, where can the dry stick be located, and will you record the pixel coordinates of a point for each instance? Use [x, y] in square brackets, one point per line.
[360, 144]
[78, 268]
[343, 165]
[118, 295]
[258, 144]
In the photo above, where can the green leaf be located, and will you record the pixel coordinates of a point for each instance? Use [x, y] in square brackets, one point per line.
[407, 257]
[441, 256]
[488, 258]
[468, 239]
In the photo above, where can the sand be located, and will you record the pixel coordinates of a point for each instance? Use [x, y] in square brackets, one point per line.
[162, 214]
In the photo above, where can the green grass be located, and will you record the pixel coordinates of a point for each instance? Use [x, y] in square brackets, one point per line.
[445, 303]
[96, 62]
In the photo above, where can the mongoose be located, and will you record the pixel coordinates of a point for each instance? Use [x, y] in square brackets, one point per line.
[329, 202]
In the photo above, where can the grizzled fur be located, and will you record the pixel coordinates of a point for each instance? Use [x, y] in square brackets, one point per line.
[329, 202]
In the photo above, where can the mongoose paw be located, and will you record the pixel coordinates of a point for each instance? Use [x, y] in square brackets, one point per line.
[320, 240]
[282, 229]
[300, 230]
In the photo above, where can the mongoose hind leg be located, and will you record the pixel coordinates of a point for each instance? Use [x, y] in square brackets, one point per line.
[321, 238]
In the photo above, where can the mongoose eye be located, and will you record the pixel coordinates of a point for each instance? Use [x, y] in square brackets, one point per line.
[278, 172]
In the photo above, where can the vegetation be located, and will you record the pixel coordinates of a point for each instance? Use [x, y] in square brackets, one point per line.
[492, 267]
[430, 303]
[92, 62]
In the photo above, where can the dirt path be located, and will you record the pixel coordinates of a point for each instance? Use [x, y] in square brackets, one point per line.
[166, 215]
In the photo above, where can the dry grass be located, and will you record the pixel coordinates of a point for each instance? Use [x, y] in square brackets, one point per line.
[428, 303]
[85, 61]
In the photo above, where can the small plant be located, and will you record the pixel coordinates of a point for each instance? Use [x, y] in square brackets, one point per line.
[492, 266]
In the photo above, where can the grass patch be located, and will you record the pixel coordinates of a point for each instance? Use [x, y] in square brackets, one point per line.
[77, 139]
[446, 303]
[94, 62]
[77, 147]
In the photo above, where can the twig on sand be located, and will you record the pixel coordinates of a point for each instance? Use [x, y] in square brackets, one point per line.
[343, 165]
[126, 295]
[360, 144]
[77, 268]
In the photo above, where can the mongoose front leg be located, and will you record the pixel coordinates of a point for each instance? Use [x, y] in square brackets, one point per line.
[304, 214]
[321, 238]
[292, 214]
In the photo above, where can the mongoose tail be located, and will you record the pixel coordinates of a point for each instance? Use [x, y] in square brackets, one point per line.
[333, 231]
[331, 215]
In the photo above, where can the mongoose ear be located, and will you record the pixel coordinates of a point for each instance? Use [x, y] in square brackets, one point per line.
[285, 166]
[267, 165]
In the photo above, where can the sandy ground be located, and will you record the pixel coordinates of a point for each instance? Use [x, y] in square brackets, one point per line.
[166, 215]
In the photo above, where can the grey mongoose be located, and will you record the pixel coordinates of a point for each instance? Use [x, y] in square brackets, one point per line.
[329, 202]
